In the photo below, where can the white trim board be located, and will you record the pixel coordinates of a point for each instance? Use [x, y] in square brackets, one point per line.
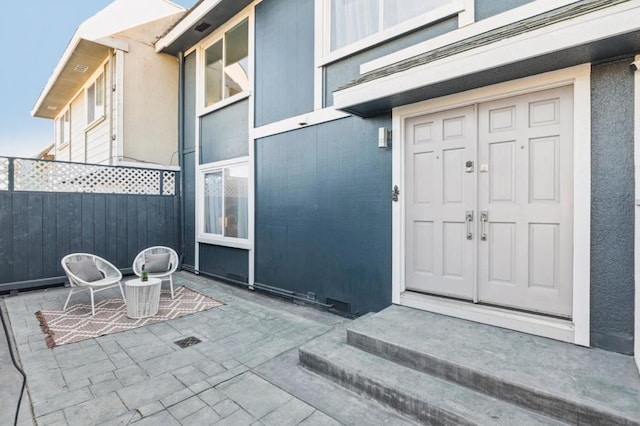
[580, 78]
[637, 209]
[609, 22]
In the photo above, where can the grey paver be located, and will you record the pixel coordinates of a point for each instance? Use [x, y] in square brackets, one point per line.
[105, 387]
[176, 397]
[87, 370]
[171, 362]
[60, 401]
[51, 418]
[238, 418]
[154, 389]
[189, 375]
[254, 394]
[80, 356]
[289, 414]
[204, 416]
[212, 396]
[130, 375]
[318, 418]
[102, 377]
[226, 407]
[96, 411]
[162, 418]
[150, 409]
[227, 375]
[187, 407]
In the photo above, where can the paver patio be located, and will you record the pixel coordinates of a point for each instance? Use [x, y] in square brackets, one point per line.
[141, 376]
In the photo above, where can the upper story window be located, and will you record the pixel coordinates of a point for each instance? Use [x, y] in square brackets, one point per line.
[353, 25]
[95, 99]
[63, 126]
[226, 65]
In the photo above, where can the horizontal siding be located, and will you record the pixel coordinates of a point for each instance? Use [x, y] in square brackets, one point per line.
[98, 143]
[78, 123]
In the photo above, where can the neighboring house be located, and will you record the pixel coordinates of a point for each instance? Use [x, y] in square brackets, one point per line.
[112, 98]
[503, 194]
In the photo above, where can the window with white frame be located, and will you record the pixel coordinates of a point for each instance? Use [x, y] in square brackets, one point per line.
[351, 21]
[224, 196]
[95, 99]
[63, 127]
[226, 65]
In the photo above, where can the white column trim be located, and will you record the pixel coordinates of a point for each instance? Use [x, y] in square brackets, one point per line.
[577, 330]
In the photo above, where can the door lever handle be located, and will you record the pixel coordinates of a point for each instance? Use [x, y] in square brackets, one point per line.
[468, 218]
[484, 218]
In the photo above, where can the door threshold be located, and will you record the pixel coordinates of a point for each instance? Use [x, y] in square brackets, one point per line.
[539, 325]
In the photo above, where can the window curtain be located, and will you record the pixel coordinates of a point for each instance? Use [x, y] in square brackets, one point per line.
[398, 11]
[352, 20]
[213, 203]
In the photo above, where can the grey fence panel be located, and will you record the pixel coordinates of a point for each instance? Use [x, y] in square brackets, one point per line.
[38, 228]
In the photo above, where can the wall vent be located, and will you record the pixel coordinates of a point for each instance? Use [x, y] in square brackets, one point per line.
[339, 305]
[80, 68]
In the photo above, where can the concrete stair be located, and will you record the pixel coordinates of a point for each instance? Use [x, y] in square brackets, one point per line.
[442, 370]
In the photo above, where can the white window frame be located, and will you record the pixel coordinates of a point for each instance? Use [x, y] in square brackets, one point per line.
[98, 110]
[63, 128]
[221, 240]
[323, 28]
[212, 39]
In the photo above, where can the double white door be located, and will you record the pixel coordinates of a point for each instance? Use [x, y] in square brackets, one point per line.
[489, 202]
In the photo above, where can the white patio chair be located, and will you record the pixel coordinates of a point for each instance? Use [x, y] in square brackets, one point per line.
[165, 271]
[82, 275]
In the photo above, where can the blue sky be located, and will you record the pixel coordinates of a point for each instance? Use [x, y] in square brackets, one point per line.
[35, 34]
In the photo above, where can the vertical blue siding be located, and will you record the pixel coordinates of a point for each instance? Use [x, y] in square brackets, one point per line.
[189, 201]
[284, 59]
[348, 69]
[189, 107]
[189, 160]
[224, 134]
[486, 8]
[612, 206]
[226, 262]
[323, 212]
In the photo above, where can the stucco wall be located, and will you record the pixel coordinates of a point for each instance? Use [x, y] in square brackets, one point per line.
[612, 211]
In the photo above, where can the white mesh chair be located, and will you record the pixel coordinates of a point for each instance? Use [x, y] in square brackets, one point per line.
[90, 272]
[160, 269]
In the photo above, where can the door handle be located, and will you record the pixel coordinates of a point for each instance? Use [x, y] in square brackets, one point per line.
[484, 218]
[468, 218]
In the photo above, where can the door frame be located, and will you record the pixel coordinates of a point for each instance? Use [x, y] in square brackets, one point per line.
[576, 330]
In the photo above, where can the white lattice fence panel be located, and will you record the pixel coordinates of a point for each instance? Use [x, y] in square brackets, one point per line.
[168, 183]
[33, 175]
[4, 174]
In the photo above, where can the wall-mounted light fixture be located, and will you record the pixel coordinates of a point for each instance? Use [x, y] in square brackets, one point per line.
[384, 137]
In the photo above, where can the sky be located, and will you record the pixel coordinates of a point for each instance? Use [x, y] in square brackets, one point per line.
[36, 34]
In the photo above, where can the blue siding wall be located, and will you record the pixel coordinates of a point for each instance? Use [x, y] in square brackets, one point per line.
[284, 59]
[323, 212]
[225, 262]
[224, 133]
[346, 70]
[189, 160]
[612, 214]
[487, 8]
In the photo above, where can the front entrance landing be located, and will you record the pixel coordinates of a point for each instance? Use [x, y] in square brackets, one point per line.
[443, 370]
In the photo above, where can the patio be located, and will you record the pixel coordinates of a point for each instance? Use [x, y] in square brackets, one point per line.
[141, 376]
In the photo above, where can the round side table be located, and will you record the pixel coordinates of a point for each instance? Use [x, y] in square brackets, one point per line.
[143, 297]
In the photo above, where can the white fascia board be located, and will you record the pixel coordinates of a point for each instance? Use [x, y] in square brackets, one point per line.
[192, 17]
[514, 15]
[610, 22]
[71, 48]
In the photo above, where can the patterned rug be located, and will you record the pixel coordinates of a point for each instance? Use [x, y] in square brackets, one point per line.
[77, 323]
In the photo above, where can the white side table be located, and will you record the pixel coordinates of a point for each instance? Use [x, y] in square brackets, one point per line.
[143, 297]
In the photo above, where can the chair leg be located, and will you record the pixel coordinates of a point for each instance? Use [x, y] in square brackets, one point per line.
[64, 308]
[122, 292]
[171, 284]
[93, 309]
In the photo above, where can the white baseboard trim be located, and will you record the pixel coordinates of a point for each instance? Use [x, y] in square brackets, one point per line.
[553, 328]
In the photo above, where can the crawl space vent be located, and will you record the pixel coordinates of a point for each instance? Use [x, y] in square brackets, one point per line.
[189, 341]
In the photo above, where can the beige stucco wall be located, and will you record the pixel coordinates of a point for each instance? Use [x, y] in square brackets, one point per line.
[150, 98]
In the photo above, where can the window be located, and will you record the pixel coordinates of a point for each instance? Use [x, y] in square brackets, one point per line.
[95, 99]
[63, 126]
[355, 20]
[225, 201]
[226, 65]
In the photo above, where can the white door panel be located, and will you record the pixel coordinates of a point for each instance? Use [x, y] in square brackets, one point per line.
[440, 258]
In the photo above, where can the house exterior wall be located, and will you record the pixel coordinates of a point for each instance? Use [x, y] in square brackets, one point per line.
[486, 8]
[221, 141]
[188, 163]
[98, 137]
[284, 86]
[78, 123]
[150, 106]
[612, 211]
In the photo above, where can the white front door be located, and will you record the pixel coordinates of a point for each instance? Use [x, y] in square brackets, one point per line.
[517, 250]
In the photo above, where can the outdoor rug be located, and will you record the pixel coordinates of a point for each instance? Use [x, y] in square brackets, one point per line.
[77, 323]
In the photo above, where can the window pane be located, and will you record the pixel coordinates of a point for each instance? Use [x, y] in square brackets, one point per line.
[236, 179]
[237, 59]
[213, 74]
[213, 203]
[99, 96]
[397, 11]
[66, 129]
[352, 20]
[91, 106]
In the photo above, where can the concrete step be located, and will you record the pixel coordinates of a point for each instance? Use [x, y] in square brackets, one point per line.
[429, 399]
[574, 384]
